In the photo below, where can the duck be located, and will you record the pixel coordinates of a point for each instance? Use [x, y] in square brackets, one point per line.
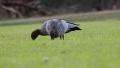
[55, 28]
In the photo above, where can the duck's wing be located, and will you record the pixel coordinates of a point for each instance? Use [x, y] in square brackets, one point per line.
[44, 27]
[72, 27]
[72, 23]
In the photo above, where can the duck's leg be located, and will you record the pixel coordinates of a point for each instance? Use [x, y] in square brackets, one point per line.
[52, 35]
[62, 37]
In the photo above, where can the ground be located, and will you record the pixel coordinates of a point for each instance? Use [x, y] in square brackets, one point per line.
[96, 46]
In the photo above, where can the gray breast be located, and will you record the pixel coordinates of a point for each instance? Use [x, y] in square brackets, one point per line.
[55, 25]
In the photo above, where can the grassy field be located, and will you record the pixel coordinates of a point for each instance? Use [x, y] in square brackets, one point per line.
[96, 46]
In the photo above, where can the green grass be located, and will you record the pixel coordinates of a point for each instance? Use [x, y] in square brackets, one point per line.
[96, 46]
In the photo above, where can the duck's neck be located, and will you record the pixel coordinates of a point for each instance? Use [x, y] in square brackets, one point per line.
[43, 33]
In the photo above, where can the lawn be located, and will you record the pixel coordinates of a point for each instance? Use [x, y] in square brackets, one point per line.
[96, 46]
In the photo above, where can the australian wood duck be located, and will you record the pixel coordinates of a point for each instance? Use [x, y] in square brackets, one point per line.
[55, 28]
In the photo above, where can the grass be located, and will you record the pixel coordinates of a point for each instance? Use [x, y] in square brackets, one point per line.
[96, 46]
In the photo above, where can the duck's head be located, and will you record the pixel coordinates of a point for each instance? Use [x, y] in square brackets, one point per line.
[35, 34]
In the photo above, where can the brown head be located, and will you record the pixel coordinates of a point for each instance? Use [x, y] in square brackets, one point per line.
[35, 34]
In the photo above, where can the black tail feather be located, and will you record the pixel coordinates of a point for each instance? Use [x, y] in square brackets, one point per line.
[73, 29]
